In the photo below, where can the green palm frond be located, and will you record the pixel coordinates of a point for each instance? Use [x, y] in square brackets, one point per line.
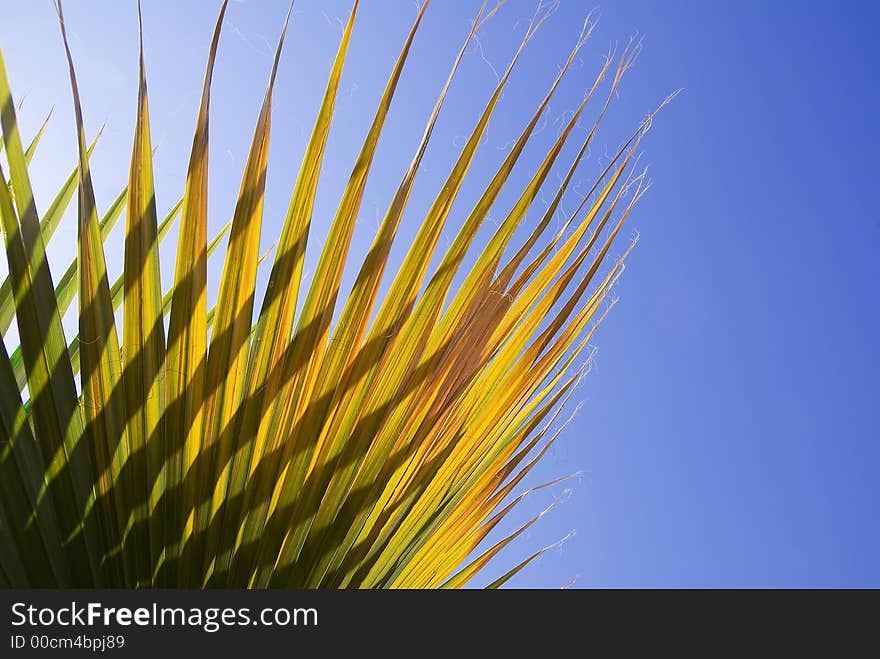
[210, 443]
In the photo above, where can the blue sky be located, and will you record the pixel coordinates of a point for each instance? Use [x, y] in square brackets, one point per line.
[729, 433]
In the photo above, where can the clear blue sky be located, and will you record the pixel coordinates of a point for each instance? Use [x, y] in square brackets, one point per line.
[729, 435]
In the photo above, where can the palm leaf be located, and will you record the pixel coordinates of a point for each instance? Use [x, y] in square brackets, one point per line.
[276, 449]
[187, 353]
[57, 418]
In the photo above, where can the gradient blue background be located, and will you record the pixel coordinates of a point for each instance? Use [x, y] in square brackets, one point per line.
[729, 435]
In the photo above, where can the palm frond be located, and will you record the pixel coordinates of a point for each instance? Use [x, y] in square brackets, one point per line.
[216, 446]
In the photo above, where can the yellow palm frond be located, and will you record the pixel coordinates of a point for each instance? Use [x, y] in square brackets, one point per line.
[224, 445]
